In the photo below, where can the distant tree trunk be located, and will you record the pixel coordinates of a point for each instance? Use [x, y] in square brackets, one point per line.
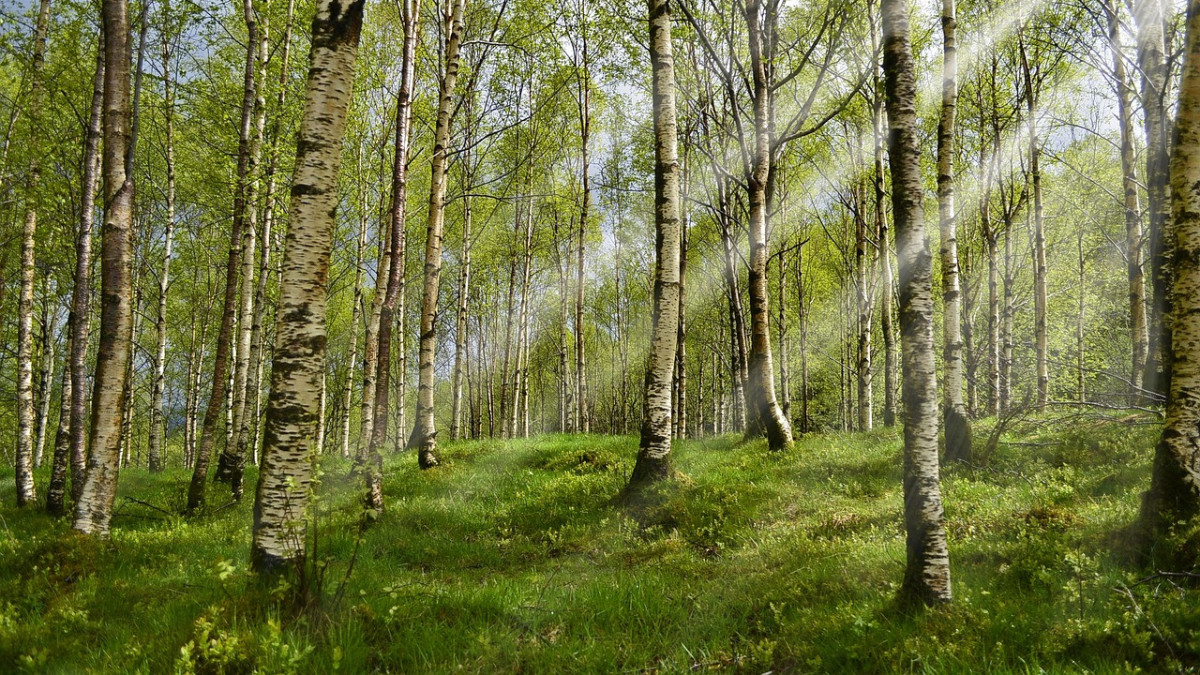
[585, 130]
[269, 236]
[1079, 326]
[26, 492]
[927, 575]
[232, 464]
[93, 509]
[298, 366]
[460, 322]
[680, 381]
[48, 323]
[564, 386]
[785, 381]
[80, 315]
[62, 445]
[737, 322]
[523, 342]
[987, 227]
[424, 436]
[863, 282]
[157, 413]
[653, 462]
[355, 318]
[229, 311]
[957, 428]
[1138, 330]
[887, 284]
[1007, 314]
[1041, 345]
[1151, 49]
[1174, 493]
[802, 312]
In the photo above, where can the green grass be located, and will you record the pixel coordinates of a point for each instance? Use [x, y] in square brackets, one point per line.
[513, 557]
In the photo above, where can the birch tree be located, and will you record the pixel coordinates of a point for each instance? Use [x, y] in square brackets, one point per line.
[424, 436]
[653, 462]
[93, 507]
[298, 368]
[927, 573]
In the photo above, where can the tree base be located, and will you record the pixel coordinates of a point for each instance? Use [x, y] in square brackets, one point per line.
[958, 436]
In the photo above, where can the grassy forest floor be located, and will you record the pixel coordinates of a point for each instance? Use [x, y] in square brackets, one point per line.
[511, 557]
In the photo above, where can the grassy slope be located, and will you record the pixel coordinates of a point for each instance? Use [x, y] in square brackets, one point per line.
[512, 554]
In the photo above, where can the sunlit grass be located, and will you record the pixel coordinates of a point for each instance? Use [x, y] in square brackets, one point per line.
[513, 555]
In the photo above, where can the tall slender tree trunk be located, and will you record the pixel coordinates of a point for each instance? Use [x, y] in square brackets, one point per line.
[231, 467]
[1041, 344]
[270, 239]
[927, 574]
[355, 318]
[582, 414]
[1138, 330]
[26, 492]
[957, 428]
[680, 407]
[987, 227]
[737, 322]
[653, 462]
[1174, 493]
[802, 315]
[521, 388]
[1151, 50]
[864, 292]
[80, 315]
[157, 413]
[62, 444]
[229, 310]
[460, 322]
[886, 281]
[424, 436]
[49, 322]
[93, 508]
[298, 366]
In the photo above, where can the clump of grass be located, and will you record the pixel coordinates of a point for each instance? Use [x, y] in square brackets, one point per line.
[516, 555]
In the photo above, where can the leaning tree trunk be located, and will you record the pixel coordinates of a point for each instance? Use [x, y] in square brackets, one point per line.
[653, 462]
[1175, 480]
[761, 390]
[157, 414]
[958, 429]
[1153, 66]
[1138, 331]
[26, 492]
[927, 575]
[393, 295]
[424, 436]
[216, 401]
[298, 366]
[93, 509]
